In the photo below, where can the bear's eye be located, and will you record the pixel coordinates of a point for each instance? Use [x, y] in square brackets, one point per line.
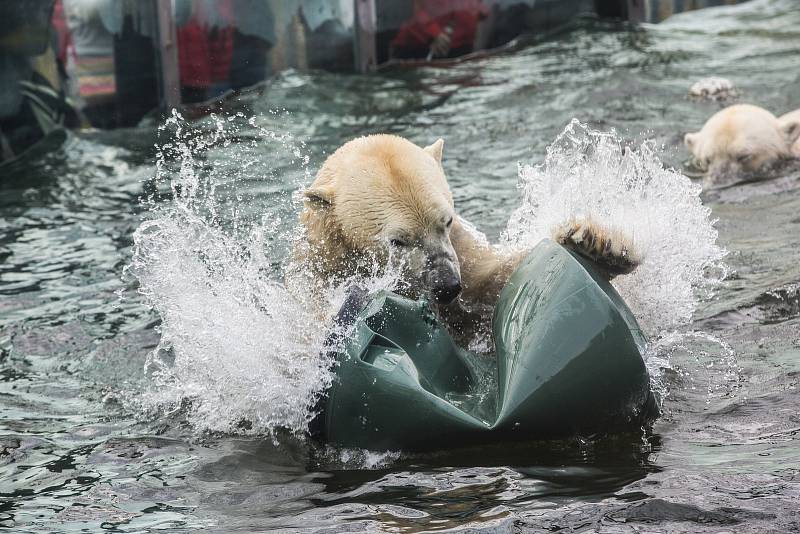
[398, 243]
[449, 222]
[744, 158]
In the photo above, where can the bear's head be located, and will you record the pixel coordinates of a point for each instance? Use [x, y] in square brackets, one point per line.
[383, 199]
[740, 140]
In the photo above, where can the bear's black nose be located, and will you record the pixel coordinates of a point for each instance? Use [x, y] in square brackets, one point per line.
[446, 292]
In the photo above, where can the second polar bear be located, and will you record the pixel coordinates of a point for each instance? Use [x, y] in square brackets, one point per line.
[743, 139]
[381, 198]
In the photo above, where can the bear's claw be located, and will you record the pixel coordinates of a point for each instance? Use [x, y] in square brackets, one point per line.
[611, 250]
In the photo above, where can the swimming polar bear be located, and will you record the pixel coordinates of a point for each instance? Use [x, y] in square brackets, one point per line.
[742, 139]
[382, 198]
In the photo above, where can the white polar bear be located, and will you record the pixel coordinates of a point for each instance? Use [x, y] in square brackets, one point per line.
[742, 139]
[381, 196]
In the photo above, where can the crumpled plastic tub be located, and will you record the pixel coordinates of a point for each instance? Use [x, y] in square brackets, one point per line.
[568, 362]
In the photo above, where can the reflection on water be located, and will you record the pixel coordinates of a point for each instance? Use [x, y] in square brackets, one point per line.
[76, 452]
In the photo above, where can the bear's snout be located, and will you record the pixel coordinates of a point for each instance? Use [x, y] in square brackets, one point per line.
[443, 276]
[445, 291]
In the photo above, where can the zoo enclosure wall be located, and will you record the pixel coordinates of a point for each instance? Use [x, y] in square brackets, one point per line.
[118, 60]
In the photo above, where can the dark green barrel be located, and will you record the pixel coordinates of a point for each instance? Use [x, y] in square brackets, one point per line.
[568, 361]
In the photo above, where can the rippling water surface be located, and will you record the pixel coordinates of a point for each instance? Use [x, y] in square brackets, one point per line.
[149, 356]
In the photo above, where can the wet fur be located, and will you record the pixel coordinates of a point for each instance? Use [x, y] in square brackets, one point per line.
[611, 250]
[362, 184]
[742, 141]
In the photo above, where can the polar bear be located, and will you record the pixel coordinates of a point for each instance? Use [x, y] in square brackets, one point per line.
[741, 139]
[381, 198]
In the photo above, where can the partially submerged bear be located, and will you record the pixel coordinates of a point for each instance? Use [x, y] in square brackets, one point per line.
[743, 141]
[382, 199]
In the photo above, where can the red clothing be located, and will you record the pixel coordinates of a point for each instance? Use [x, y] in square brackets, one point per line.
[431, 17]
[204, 54]
[63, 38]
[220, 48]
[193, 56]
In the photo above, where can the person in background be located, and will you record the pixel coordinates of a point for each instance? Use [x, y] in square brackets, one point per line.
[62, 37]
[222, 45]
[205, 48]
[135, 60]
[438, 29]
[289, 48]
[253, 37]
[113, 59]
[33, 108]
[95, 83]
[328, 27]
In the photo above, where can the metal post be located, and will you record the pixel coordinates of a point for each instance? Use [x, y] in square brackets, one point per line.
[638, 10]
[168, 55]
[365, 27]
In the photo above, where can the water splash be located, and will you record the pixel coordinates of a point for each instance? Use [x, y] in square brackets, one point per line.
[241, 351]
[700, 360]
[592, 173]
[337, 458]
[236, 347]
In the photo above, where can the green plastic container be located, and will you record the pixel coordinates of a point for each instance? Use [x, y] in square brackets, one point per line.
[568, 361]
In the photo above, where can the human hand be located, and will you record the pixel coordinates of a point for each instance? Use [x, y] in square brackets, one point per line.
[440, 46]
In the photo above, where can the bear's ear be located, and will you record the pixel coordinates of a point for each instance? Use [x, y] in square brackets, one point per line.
[435, 150]
[318, 198]
[791, 129]
[689, 140]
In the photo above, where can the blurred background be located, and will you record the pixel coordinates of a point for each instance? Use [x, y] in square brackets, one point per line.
[108, 63]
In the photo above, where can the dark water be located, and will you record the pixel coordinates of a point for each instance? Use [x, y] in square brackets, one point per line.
[78, 455]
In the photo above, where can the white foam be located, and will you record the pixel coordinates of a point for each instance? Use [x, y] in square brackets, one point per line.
[592, 173]
[343, 458]
[700, 360]
[244, 348]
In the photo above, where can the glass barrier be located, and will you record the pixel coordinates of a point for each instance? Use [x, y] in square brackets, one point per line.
[115, 61]
[427, 29]
[444, 29]
[231, 44]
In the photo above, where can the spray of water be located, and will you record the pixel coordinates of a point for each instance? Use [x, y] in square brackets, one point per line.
[592, 173]
[701, 361]
[242, 352]
[595, 174]
[237, 348]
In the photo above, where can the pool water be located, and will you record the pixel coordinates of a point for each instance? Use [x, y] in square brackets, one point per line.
[154, 367]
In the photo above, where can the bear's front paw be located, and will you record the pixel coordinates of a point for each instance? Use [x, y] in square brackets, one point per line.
[611, 250]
